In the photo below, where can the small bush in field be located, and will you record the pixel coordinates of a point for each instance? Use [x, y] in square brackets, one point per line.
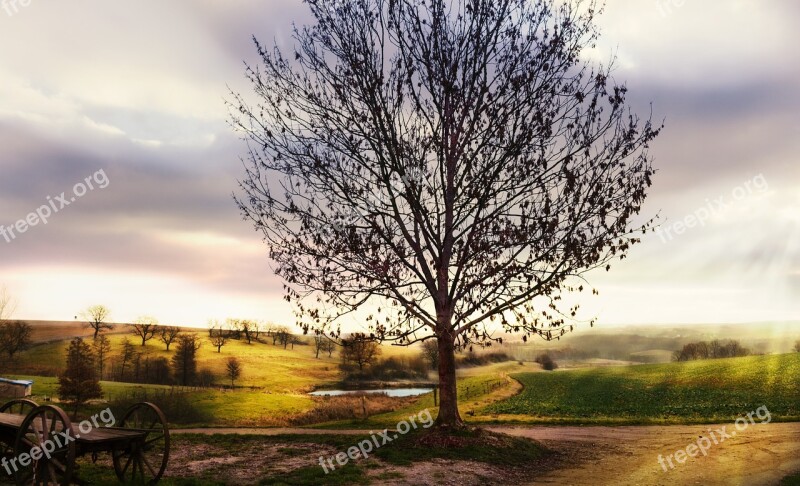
[547, 362]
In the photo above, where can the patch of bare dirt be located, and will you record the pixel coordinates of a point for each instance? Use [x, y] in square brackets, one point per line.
[761, 456]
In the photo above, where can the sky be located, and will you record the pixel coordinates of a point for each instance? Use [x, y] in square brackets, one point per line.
[121, 107]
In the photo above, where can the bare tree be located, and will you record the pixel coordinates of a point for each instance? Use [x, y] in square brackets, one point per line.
[281, 335]
[169, 334]
[101, 347]
[430, 352]
[96, 315]
[247, 328]
[7, 303]
[360, 350]
[218, 337]
[320, 344]
[457, 165]
[145, 328]
[233, 368]
[329, 347]
[797, 346]
[14, 337]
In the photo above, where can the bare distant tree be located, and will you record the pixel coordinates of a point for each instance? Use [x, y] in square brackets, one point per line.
[329, 347]
[145, 328]
[169, 334]
[360, 350]
[7, 303]
[797, 346]
[14, 337]
[218, 337]
[281, 335]
[295, 340]
[97, 315]
[258, 328]
[101, 347]
[456, 165]
[430, 352]
[320, 344]
[247, 328]
[233, 368]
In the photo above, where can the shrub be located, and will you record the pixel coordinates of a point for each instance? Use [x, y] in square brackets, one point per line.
[715, 349]
[474, 359]
[546, 361]
[350, 407]
[390, 369]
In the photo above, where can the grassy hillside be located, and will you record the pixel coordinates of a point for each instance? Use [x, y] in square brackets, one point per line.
[264, 365]
[699, 391]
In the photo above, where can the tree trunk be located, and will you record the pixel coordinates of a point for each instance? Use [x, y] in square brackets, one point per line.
[448, 396]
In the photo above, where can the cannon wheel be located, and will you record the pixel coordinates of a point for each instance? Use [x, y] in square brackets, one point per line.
[143, 461]
[43, 428]
[19, 406]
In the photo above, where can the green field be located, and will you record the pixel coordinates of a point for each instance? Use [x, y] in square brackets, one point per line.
[264, 365]
[698, 391]
[273, 386]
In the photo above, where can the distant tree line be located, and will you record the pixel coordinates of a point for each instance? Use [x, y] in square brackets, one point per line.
[715, 349]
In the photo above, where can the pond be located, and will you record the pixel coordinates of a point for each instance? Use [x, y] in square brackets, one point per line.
[392, 392]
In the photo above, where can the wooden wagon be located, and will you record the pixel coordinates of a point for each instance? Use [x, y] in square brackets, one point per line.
[138, 444]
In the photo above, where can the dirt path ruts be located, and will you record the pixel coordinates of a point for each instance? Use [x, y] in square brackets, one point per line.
[762, 454]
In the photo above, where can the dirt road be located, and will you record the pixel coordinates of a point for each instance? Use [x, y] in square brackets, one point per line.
[761, 454]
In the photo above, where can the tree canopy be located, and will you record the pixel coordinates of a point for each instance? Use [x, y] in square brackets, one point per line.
[441, 169]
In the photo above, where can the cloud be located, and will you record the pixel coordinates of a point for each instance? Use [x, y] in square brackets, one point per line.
[139, 92]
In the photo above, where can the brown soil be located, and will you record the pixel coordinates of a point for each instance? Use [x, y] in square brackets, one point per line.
[759, 455]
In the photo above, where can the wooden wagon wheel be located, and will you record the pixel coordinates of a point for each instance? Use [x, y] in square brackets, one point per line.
[45, 427]
[19, 406]
[143, 461]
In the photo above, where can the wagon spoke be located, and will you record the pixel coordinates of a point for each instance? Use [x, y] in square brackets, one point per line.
[58, 452]
[128, 463]
[44, 427]
[51, 471]
[27, 442]
[53, 424]
[58, 464]
[26, 476]
[149, 441]
[149, 466]
[139, 466]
